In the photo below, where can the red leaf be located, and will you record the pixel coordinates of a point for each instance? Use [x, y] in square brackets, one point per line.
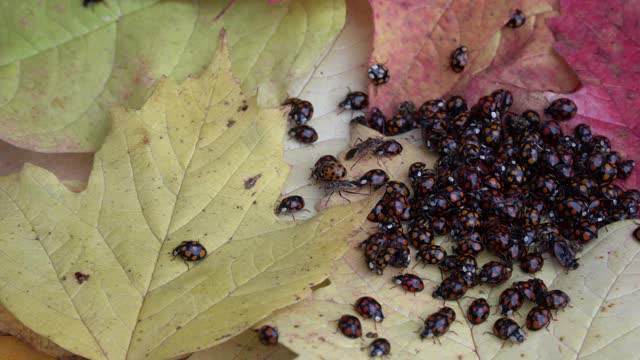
[601, 41]
[416, 39]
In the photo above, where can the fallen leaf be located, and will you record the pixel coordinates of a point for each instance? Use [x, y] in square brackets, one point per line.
[12, 348]
[600, 42]
[415, 41]
[245, 346]
[169, 172]
[63, 66]
[601, 323]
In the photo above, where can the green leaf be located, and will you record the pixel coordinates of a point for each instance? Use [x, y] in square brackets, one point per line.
[173, 171]
[63, 66]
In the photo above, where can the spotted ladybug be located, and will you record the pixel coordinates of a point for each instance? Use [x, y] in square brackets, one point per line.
[420, 235]
[449, 313]
[561, 109]
[329, 171]
[456, 105]
[379, 347]
[459, 59]
[301, 110]
[507, 329]
[369, 308]
[304, 134]
[379, 74]
[268, 335]
[531, 263]
[350, 326]
[389, 148]
[517, 19]
[495, 273]
[538, 318]
[409, 282]
[290, 205]
[452, 288]
[356, 100]
[435, 325]
[375, 178]
[431, 254]
[190, 251]
[554, 300]
[86, 3]
[510, 301]
[478, 311]
[396, 187]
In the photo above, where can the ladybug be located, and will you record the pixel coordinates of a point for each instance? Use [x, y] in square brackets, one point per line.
[468, 264]
[369, 308]
[507, 329]
[409, 282]
[395, 204]
[301, 110]
[379, 347]
[531, 263]
[377, 213]
[449, 313]
[190, 251]
[495, 273]
[431, 254]
[420, 235]
[376, 120]
[550, 131]
[86, 3]
[350, 326]
[478, 311]
[584, 232]
[538, 318]
[396, 187]
[398, 124]
[375, 178]
[417, 170]
[625, 169]
[561, 109]
[487, 108]
[330, 171]
[268, 335]
[379, 74]
[452, 288]
[389, 148]
[518, 19]
[304, 134]
[562, 250]
[290, 205]
[504, 100]
[456, 105]
[435, 325]
[450, 263]
[454, 195]
[510, 300]
[554, 300]
[470, 244]
[356, 100]
[459, 59]
[425, 185]
[469, 219]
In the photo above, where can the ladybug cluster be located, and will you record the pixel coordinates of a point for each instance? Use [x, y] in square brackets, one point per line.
[300, 113]
[499, 174]
[512, 299]
[350, 326]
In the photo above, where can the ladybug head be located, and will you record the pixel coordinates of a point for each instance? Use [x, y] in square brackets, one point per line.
[517, 336]
[379, 316]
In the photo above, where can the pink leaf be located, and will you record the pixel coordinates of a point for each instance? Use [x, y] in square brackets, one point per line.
[415, 40]
[601, 42]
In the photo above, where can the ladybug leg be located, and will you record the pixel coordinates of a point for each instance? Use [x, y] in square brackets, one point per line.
[342, 196]
[435, 339]
[329, 198]
[451, 331]
[293, 216]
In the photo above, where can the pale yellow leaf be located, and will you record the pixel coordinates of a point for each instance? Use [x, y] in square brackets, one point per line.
[174, 170]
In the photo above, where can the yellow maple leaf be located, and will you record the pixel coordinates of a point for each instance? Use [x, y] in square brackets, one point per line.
[176, 170]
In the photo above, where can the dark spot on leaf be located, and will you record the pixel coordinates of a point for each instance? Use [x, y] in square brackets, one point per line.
[321, 338]
[296, 326]
[178, 327]
[230, 123]
[80, 277]
[251, 182]
[372, 335]
[325, 283]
